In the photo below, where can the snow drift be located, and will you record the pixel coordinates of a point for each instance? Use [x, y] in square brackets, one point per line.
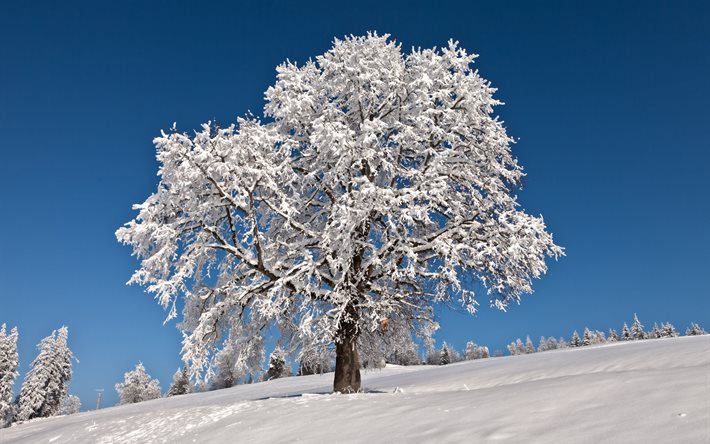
[641, 391]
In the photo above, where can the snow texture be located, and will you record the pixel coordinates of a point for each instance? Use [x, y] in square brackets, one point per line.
[631, 392]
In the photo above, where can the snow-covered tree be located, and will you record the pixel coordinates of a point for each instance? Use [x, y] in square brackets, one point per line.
[552, 343]
[315, 361]
[470, 352]
[655, 332]
[512, 349]
[637, 331]
[46, 384]
[575, 341]
[277, 365]
[474, 351]
[225, 374]
[181, 383]
[587, 338]
[8, 372]
[561, 343]
[239, 358]
[529, 346]
[626, 333]
[71, 405]
[613, 336]
[380, 184]
[137, 386]
[393, 344]
[519, 347]
[668, 330]
[695, 330]
[444, 356]
[598, 337]
[542, 345]
[484, 352]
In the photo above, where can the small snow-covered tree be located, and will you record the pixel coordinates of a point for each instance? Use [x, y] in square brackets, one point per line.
[277, 365]
[552, 343]
[655, 332]
[225, 374]
[668, 330]
[181, 383]
[137, 386]
[587, 338]
[613, 336]
[598, 337]
[695, 330]
[393, 344]
[626, 333]
[474, 351]
[470, 352]
[519, 346]
[237, 360]
[561, 343]
[8, 372]
[484, 352]
[637, 331]
[444, 355]
[575, 341]
[46, 384]
[315, 360]
[529, 346]
[71, 405]
[542, 345]
[512, 349]
[381, 183]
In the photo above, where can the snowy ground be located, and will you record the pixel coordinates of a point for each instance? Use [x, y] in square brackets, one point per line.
[647, 391]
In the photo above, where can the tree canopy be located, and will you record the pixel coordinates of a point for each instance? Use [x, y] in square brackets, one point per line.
[379, 184]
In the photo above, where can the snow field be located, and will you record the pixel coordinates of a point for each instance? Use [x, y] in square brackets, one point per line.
[640, 391]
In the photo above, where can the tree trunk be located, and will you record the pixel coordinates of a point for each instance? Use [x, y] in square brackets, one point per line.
[347, 362]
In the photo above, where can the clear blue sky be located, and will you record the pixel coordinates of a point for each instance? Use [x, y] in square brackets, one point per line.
[610, 100]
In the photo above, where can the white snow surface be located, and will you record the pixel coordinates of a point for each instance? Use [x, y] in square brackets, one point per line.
[641, 391]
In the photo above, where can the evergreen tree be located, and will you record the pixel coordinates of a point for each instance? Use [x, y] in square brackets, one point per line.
[8, 373]
[71, 405]
[519, 346]
[575, 341]
[552, 343]
[137, 386]
[542, 345]
[626, 333]
[46, 385]
[613, 336]
[181, 383]
[277, 365]
[668, 330]
[444, 357]
[598, 337]
[561, 343]
[695, 330]
[529, 347]
[587, 338]
[637, 332]
[655, 332]
[473, 351]
[512, 349]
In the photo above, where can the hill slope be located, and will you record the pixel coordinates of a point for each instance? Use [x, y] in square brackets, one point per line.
[647, 391]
